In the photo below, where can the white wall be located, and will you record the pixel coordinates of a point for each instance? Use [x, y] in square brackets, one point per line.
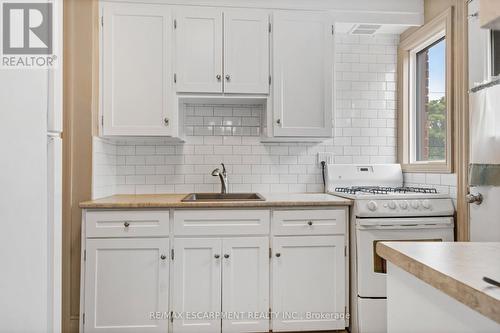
[365, 131]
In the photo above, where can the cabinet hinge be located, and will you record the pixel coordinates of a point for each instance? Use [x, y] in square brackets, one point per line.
[270, 80]
[269, 27]
[84, 255]
[83, 318]
[175, 24]
[102, 121]
[175, 77]
[102, 21]
[172, 254]
[270, 253]
[345, 251]
[171, 316]
[333, 30]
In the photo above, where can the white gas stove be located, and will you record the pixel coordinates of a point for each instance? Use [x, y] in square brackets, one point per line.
[383, 210]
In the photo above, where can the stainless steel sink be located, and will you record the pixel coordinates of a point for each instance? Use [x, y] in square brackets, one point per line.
[194, 197]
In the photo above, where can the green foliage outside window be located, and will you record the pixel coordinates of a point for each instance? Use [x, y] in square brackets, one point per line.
[436, 121]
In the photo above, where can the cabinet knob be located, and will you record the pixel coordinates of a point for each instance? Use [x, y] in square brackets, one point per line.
[228, 77]
[310, 223]
[166, 121]
[218, 77]
[278, 121]
[278, 254]
[216, 256]
[226, 256]
[126, 224]
[163, 257]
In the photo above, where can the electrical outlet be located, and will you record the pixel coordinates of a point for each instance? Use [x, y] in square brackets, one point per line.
[327, 157]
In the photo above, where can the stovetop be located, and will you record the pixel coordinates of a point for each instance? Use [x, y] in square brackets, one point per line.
[385, 190]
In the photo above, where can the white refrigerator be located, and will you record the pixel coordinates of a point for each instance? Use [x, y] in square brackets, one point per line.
[31, 197]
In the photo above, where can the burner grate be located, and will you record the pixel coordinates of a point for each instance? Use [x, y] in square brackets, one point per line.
[385, 190]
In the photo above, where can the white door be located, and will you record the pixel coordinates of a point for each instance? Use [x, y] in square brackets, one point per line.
[198, 42]
[246, 51]
[308, 275]
[484, 148]
[302, 74]
[125, 281]
[245, 276]
[196, 284]
[136, 76]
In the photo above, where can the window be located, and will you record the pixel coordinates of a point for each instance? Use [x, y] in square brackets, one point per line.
[425, 98]
[430, 108]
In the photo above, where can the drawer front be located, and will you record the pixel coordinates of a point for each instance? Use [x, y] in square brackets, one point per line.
[129, 223]
[309, 222]
[221, 222]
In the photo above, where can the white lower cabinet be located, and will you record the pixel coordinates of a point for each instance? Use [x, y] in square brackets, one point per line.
[245, 283]
[125, 281]
[308, 285]
[214, 275]
[229, 268]
[196, 284]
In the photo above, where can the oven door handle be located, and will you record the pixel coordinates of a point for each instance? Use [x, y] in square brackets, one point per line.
[405, 227]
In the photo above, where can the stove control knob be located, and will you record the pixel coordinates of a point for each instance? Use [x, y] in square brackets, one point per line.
[426, 204]
[392, 204]
[372, 205]
[415, 204]
[403, 204]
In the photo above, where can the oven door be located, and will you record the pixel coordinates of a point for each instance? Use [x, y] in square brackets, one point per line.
[371, 268]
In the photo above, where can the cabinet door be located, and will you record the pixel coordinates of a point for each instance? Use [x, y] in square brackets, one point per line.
[125, 281]
[198, 40]
[308, 278]
[197, 283]
[136, 78]
[245, 276]
[246, 51]
[302, 74]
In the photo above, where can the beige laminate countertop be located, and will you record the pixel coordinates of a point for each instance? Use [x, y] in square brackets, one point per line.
[174, 201]
[457, 269]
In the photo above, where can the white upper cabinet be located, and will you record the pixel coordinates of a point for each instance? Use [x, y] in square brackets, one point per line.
[302, 74]
[246, 51]
[198, 40]
[213, 59]
[136, 76]
[125, 280]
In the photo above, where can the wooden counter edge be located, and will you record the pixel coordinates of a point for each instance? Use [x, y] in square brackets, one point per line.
[465, 294]
[231, 204]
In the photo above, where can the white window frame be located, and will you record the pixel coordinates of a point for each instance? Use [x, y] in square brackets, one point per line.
[420, 39]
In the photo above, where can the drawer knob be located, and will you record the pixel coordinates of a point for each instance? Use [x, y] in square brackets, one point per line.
[126, 224]
[310, 222]
[216, 256]
[163, 257]
[278, 254]
[226, 256]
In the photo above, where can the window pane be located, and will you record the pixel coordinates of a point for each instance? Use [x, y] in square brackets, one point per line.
[430, 115]
[495, 52]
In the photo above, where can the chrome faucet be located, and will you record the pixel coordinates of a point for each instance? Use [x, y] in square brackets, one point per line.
[223, 178]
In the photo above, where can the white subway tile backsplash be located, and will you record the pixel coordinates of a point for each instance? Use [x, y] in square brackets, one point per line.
[365, 132]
